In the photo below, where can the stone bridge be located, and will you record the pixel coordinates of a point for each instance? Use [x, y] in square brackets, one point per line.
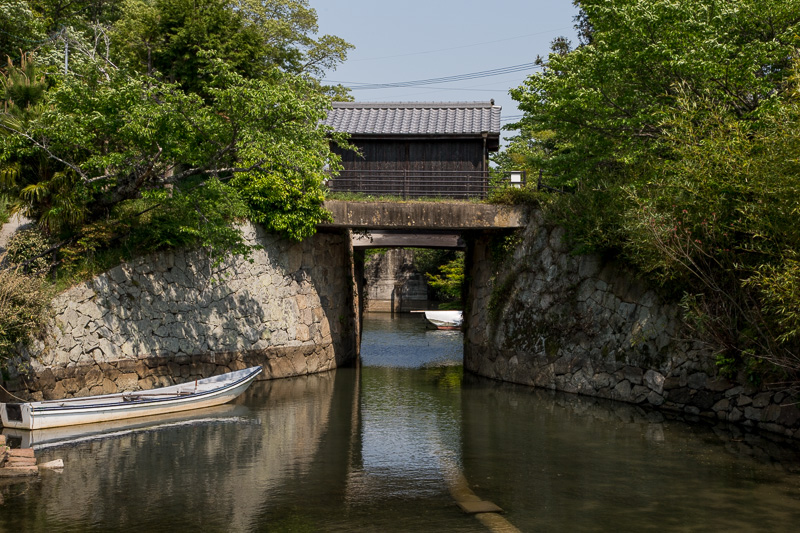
[538, 314]
[417, 225]
[535, 314]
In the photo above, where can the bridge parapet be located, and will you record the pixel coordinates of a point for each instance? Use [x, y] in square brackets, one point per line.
[422, 216]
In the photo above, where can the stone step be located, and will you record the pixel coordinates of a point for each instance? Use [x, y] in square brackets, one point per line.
[21, 452]
[20, 461]
[18, 471]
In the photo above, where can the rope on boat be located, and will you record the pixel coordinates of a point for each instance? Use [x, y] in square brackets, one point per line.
[12, 395]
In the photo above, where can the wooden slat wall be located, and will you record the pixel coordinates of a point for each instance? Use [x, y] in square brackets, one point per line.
[445, 155]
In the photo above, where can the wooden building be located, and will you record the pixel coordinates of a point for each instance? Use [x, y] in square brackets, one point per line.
[416, 149]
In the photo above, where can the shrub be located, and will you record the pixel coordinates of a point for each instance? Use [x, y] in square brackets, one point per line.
[25, 250]
[4, 209]
[23, 305]
[527, 195]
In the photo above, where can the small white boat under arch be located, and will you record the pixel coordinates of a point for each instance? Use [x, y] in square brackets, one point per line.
[445, 319]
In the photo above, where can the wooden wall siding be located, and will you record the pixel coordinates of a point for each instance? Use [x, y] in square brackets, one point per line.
[428, 155]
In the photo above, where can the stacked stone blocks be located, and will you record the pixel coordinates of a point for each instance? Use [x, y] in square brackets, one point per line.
[575, 323]
[174, 316]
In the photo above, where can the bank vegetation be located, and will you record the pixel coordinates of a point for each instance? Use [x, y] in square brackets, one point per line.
[674, 129]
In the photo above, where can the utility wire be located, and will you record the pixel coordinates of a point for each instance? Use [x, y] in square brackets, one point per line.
[460, 47]
[355, 86]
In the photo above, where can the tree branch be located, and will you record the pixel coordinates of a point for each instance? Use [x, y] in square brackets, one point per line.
[42, 146]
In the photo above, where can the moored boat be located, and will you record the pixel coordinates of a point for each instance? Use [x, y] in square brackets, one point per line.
[205, 392]
[444, 319]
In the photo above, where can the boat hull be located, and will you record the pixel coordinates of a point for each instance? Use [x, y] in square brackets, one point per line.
[206, 392]
[444, 319]
[59, 436]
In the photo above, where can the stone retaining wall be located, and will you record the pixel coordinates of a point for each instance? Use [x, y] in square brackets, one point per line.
[543, 317]
[393, 284]
[173, 317]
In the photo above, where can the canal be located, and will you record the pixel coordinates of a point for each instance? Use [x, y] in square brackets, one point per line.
[392, 445]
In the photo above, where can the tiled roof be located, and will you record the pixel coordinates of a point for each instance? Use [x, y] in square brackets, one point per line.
[415, 118]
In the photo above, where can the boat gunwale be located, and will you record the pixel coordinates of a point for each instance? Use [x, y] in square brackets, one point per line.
[37, 407]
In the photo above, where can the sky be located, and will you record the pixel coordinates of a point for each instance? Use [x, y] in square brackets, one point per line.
[412, 40]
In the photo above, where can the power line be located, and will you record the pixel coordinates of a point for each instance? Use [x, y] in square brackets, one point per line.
[460, 47]
[356, 86]
[498, 84]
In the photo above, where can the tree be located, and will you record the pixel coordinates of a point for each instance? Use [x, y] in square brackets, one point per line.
[605, 100]
[21, 28]
[174, 37]
[114, 135]
[674, 125]
[450, 283]
[178, 94]
[169, 36]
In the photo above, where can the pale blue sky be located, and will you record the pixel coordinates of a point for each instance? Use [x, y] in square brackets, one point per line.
[409, 40]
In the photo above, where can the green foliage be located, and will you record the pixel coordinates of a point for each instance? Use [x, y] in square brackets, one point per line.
[447, 377]
[201, 217]
[23, 89]
[117, 136]
[99, 247]
[361, 197]
[79, 14]
[23, 86]
[20, 28]
[169, 124]
[25, 249]
[526, 195]
[5, 213]
[164, 98]
[675, 126]
[24, 302]
[428, 260]
[601, 105]
[779, 288]
[168, 36]
[250, 36]
[449, 283]
[502, 247]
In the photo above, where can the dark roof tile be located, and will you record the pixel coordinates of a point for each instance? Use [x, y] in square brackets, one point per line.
[415, 118]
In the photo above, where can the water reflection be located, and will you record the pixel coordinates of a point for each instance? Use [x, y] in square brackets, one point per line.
[213, 472]
[406, 433]
[402, 341]
[383, 447]
[558, 459]
[41, 439]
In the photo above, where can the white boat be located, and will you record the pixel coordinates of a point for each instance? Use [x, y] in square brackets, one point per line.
[205, 392]
[444, 319]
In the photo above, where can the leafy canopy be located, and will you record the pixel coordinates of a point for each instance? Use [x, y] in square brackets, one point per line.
[171, 105]
[675, 126]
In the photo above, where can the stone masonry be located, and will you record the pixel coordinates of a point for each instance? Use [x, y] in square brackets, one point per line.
[393, 283]
[541, 316]
[173, 317]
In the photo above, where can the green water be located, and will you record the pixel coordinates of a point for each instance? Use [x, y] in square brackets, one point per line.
[379, 449]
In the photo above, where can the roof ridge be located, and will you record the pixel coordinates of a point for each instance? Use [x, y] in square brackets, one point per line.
[440, 105]
[415, 118]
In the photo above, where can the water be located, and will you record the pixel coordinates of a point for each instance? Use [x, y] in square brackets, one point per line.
[390, 446]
